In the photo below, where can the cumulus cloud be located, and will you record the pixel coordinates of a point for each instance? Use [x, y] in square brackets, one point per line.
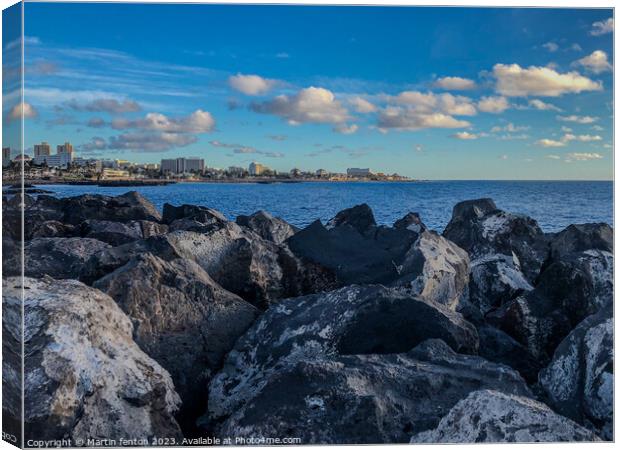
[553, 157]
[362, 105]
[596, 62]
[23, 108]
[583, 156]
[96, 143]
[457, 105]
[197, 122]
[346, 129]
[568, 137]
[577, 119]
[551, 46]
[540, 105]
[550, 143]
[603, 27]
[109, 105]
[309, 105]
[150, 141]
[455, 83]
[513, 80]
[464, 135]
[510, 127]
[251, 84]
[493, 105]
[409, 119]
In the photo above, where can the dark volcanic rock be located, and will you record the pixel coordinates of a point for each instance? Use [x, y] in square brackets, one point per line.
[84, 375]
[268, 227]
[507, 250]
[56, 257]
[54, 228]
[578, 238]
[182, 319]
[579, 380]
[118, 233]
[411, 221]
[362, 399]
[351, 320]
[200, 214]
[122, 208]
[359, 217]
[492, 416]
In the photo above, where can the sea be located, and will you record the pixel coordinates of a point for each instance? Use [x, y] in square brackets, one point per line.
[554, 204]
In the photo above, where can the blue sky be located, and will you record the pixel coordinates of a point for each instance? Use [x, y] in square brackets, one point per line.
[434, 93]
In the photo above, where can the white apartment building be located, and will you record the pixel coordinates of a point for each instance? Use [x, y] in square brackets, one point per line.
[42, 149]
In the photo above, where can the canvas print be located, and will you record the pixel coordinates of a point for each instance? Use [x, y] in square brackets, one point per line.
[297, 224]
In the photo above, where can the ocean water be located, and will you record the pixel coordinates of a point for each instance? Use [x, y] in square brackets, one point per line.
[554, 204]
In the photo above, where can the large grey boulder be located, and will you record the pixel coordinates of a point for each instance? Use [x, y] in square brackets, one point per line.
[581, 237]
[580, 378]
[118, 233]
[362, 399]
[359, 217]
[85, 377]
[268, 227]
[507, 251]
[122, 208]
[492, 416]
[351, 320]
[56, 257]
[182, 319]
[201, 214]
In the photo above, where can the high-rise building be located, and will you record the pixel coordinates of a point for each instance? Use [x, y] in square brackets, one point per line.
[6, 156]
[58, 160]
[356, 172]
[42, 149]
[64, 148]
[182, 165]
[257, 169]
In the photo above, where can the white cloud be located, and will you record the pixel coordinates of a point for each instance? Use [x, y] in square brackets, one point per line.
[493, 105]
[429, 102]
[251, 84]
[309, 105]
[464, 135]
[583, 156]
[362, 105]
[577, 119]
[516, 81]
[604, 27]
[409, 119]
[540, 105]
[581, 138]
[346, 129]
[597, 127]
[503, 157]
[550, 143]
[576, 47]
[150, 142]
[553, 157]
[197, 122]
[510, 127]
[566, 129]
[551, 47]
[596, 62]
[455, 83]
[24, 108]
[110, 105]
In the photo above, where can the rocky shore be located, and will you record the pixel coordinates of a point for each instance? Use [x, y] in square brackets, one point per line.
[143, 324]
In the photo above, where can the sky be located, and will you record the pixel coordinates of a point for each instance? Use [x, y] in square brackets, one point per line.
[430, 93]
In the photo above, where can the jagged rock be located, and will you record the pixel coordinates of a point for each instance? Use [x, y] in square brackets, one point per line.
[192, 225]
[56, 257]
[579, 380]
[507, 251]
[497, 346]
[566, 293]
[492, 416]
[84, 375]
[351, 320]
[268, 227]
[435, 269]
[54, 228]
[360, 399]
[182, 319]
[578, 238]
[200, 214]
[11, 256]
[359, 217]
[118, 233]
[123, 208]
[411, 221]
[36, 212]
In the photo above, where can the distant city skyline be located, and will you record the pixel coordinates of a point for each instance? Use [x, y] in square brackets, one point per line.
[431, 93]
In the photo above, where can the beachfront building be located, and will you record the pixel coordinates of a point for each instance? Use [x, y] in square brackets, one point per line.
[42, 149]
[237, 172]
[182, 165]
[65, 148]
[58, 160]
[257, 169]
[358, 173]
[322, 173]
[6, 156]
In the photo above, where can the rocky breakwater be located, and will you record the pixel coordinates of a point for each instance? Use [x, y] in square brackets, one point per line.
[343, 332]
